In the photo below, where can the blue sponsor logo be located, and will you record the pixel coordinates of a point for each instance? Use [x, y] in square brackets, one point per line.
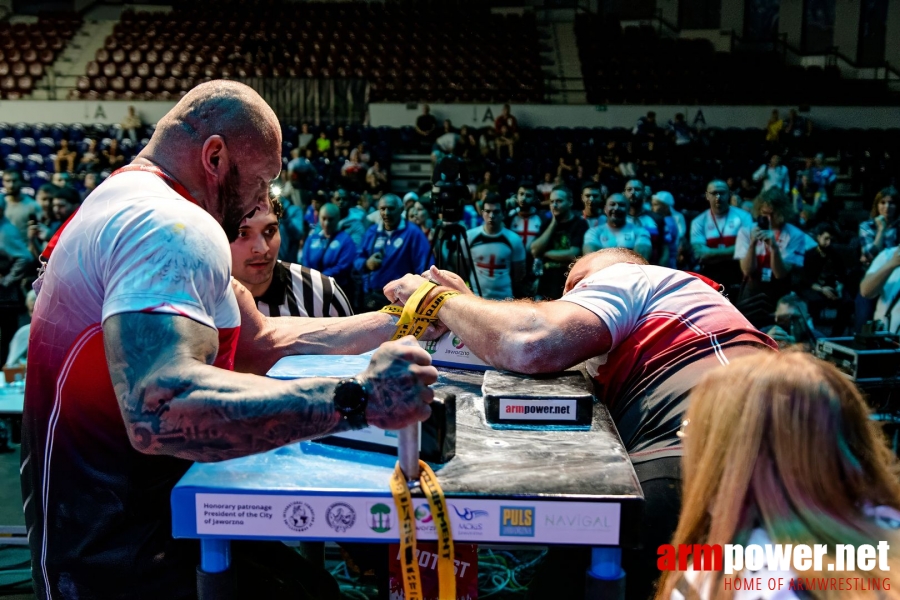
[468, 514]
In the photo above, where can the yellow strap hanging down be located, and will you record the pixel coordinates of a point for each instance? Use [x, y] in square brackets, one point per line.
[412, 583]
[414, 322]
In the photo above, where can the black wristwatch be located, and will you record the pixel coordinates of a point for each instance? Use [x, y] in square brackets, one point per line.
[351, 399]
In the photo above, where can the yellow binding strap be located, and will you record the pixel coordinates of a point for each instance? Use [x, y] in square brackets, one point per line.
[412, 583]
[413, 321]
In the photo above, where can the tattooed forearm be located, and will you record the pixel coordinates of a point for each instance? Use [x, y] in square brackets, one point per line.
[173, 402]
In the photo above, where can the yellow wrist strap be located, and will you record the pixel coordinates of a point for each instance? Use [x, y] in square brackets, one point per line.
[413, 321]
[412, 583]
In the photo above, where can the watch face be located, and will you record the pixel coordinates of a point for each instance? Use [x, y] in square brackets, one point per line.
[349, 395]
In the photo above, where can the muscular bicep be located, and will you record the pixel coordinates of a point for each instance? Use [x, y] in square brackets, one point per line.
[149, 356]
[561, 336]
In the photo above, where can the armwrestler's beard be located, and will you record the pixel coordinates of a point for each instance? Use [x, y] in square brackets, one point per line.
[229, 196]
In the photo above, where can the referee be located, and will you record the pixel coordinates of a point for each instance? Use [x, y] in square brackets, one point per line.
[280, 288]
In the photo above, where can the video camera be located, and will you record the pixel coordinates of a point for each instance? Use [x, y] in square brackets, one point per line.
[449, 191]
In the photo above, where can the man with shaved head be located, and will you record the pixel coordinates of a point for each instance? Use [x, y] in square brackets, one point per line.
[646, 335]
[135, 333]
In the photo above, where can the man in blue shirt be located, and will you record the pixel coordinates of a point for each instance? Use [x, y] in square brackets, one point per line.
[329, 250]
[390, 251]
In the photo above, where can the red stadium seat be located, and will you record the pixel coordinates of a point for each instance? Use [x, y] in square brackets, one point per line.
[143, 70]
[160, 70]
[109, 70]
[25, 84]
[136, 84]
[126, 70]
[4, 69]
[36, 70]
[19, 69]
[99, 84]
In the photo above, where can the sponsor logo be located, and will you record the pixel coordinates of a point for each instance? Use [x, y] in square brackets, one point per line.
[538, 410]
[457, 343]
[340, 516]
[424, 520]
[517, 521]
[379, 517]
[468, 514]
[431, 347]
[423, 514]
[575, 522]
[299, 516]
[468, 517]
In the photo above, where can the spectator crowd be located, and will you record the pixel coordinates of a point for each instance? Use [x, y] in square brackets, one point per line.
[774, 236]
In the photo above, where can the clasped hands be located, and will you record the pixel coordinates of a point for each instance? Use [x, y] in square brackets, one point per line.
[400, 290]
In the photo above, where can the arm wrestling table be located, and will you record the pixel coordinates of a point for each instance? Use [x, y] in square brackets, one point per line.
[544, 487]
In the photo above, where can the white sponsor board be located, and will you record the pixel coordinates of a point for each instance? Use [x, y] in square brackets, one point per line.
[450, 351]
[537, 410]
[375, 518]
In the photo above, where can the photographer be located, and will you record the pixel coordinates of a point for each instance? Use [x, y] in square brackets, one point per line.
[769, 249]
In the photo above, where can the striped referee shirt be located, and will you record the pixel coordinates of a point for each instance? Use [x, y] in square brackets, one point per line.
[298, 291]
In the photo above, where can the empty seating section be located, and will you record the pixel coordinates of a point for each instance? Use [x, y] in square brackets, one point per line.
[28, 49]
[435, 54]
[635, 65]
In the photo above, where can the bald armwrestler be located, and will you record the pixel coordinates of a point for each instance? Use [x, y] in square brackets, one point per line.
[646, 335]
[136, 330]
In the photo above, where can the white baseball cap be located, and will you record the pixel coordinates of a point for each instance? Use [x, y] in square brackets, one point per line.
[665, 198]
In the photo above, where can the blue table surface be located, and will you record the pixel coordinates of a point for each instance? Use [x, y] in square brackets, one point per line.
[12, 400]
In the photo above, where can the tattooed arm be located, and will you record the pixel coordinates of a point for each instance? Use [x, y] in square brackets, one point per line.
[175, 403]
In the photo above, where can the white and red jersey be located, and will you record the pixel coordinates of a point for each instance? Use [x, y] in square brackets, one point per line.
[96, 508]
[494, 256]
[528, 228]
[714, 231]
[791, 240]
[668, 327]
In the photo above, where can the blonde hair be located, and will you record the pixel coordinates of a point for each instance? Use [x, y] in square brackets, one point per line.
[783, 441]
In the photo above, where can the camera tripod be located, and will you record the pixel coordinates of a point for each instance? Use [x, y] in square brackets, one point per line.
[451, 251]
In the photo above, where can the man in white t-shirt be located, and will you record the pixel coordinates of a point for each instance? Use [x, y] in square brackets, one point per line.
[498, 254]
[882, 281]
[714, 233]
[136, 330]
[618, 231]
[647, 335]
